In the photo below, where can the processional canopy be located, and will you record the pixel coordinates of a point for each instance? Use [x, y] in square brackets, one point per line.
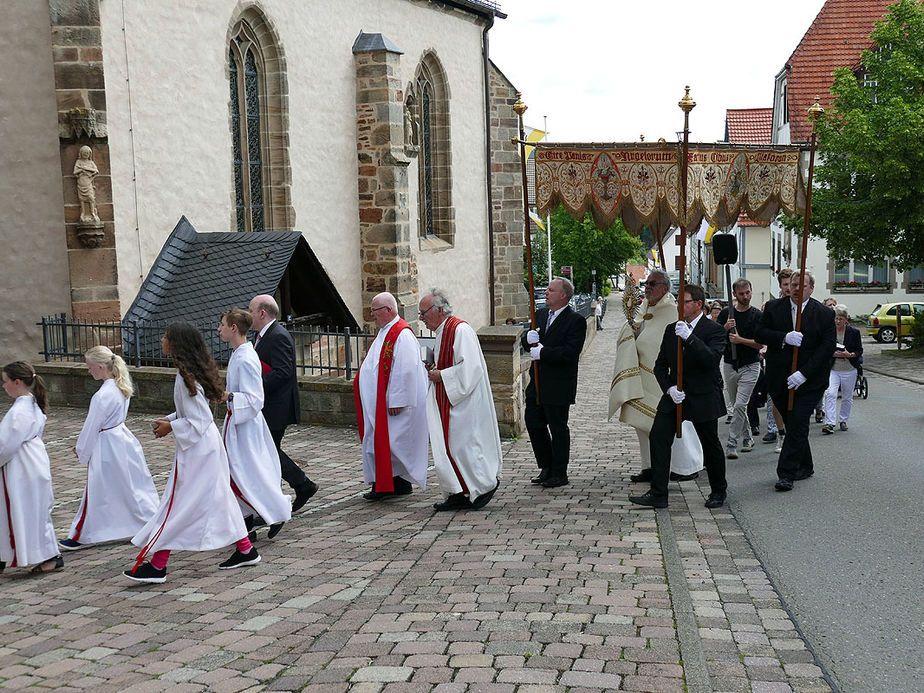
[640, 182]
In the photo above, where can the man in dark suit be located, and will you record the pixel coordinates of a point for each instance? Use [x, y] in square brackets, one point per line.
[556, 349]
[816, 340]
[276, 350]
[702, 398]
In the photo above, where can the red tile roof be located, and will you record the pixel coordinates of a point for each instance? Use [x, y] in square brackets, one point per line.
[749, 125]
[836, 38]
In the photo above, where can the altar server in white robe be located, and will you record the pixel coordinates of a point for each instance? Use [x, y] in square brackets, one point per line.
[120, 496]
[464, 437]
[390, 391]
[635, 392]
[27, 536]
[256, 476]
[198, 511]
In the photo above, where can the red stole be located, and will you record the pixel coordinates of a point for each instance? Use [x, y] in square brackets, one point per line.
[384, 480]
[445, 360]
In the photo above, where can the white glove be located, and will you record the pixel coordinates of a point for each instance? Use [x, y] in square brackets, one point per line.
[793, 338]
[683, 330]
[534, 352]
[677, 395]
[532, 337]
[796, 379]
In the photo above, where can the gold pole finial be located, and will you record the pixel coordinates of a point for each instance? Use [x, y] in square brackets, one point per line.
[519, 107]
[641, 138]
[815, 109]
[686, 103]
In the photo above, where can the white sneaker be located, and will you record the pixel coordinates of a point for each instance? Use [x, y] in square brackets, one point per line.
[731, 454]
[748, 445]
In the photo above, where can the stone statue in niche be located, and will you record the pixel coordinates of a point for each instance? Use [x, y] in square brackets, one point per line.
[89, 227]
[85, 170]
[411, 126]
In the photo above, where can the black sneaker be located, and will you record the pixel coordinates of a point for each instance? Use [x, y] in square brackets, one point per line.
[146, 573]
[303, 495]
[239, 560]
[71, 545]
[770, 437]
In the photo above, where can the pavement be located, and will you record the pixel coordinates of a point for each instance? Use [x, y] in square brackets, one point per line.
[567, 589]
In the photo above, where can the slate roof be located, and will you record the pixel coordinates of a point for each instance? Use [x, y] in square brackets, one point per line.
[836, 38]
[197, 276]
[749, 125]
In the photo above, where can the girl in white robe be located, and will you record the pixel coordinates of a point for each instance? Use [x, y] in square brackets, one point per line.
[197, 512]
[256, 477]
[27, 535]
[119, 497]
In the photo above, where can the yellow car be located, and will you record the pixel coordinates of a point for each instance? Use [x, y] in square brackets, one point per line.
[882, 322]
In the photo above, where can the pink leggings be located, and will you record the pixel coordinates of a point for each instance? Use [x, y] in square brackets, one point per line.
[159, 559]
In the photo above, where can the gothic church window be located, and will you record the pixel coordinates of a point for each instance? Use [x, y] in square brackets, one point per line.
[436, 218]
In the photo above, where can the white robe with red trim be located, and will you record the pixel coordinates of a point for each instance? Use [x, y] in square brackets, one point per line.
[26, 496]
[252, 455]
[198, 511]
[474, 440]
[120, 496]
[407, 388]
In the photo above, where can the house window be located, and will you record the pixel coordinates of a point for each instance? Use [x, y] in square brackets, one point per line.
[784, 104]
[259, 124]
[435, 212]
[915, 277]
[861, 273]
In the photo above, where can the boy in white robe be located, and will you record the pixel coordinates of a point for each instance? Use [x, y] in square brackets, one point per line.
[120, 496]
[392, 420]
[27, 535]
[464, 437]
[256, 476]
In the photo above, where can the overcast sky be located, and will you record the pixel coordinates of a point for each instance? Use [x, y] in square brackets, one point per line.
[610, 70]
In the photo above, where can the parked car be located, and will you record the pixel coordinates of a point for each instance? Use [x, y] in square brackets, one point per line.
[882, 322]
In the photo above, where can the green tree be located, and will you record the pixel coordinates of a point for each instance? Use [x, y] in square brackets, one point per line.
[868, 199]
[579, 243]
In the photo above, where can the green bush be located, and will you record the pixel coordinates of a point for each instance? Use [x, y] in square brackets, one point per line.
[917, 331]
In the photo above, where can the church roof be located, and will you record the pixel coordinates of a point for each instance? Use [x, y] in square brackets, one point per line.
[835, 39]
[487, 8]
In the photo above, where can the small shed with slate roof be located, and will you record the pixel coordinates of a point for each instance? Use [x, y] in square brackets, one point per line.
[198, 276]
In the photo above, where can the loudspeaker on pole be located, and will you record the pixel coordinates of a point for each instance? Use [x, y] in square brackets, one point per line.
[725, 249]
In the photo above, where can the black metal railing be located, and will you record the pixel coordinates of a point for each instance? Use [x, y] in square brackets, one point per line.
[318, 351]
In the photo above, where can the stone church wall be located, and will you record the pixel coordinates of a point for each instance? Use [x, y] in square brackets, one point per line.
[34, 274]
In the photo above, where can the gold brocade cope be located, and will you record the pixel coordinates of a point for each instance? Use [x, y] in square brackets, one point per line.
[640, 183]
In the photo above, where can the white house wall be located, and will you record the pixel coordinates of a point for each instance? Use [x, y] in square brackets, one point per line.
[177, 144]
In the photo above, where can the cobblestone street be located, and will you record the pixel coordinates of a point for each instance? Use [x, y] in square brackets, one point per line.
[545, 590]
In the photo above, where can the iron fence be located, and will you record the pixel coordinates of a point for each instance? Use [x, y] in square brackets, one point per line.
[318, 350]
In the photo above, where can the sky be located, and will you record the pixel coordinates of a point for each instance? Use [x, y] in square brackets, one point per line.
[611, 70]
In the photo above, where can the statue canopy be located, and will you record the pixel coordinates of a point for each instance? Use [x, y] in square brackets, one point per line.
[640, 182]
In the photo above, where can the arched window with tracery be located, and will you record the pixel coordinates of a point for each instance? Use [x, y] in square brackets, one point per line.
[259, 127]
[436, 215]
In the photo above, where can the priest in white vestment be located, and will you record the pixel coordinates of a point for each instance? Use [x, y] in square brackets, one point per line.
[464, 437]
[635, 391]
[391, 390]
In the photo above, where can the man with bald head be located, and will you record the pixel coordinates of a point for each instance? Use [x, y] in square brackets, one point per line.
[276, 350]
[391, 406]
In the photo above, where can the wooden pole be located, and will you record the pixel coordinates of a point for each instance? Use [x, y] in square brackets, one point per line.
[520, 108]
[686, 105]
[814, 112]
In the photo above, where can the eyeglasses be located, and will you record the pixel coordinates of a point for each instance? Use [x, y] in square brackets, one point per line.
[424, 312]
[379, 308]
[690, 300]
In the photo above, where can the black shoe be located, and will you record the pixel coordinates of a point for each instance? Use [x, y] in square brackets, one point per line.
[274, 530]
[258, 521]
[402, 486]
[649, 500]
[543, 475]
[48, 567]
[146, 573]
[303, 495]
[755, 431]
[715, 500]
[827, 429]
[803, 474]
[642, 476]
[819, 416]
[683, 477]
[374, 495]
[783, 485]
[843, 425]
[484, 498]
[2, 566]
[555, 481]
[770, 437]
[457, 501]
[239, 560]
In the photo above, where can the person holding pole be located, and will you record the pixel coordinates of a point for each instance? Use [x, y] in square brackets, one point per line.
[555, 348]
[815, 344]
[703, 342]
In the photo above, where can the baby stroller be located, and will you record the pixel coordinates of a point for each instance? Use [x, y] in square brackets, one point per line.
[861, 389]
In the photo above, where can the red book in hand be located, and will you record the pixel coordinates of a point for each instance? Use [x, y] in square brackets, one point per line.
[265, 367]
